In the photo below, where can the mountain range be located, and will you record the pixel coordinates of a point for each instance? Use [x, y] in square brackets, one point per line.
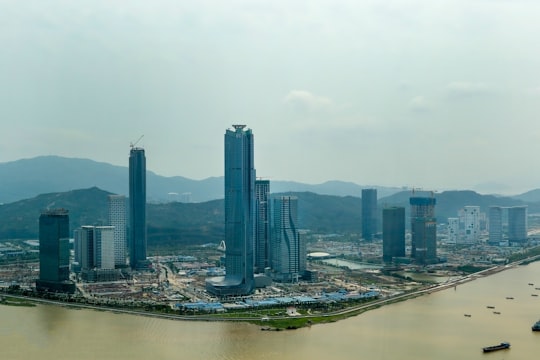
[82, 186]
[26, 178]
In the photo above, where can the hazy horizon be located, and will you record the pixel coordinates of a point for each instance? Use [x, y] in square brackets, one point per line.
[434, 95]
[485, 189]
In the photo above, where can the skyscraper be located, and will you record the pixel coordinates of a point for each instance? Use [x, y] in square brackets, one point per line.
[286, 254]
[54, 252]
[517, 224]
[423, 229]
[369, 213]
[117, 218]
[239, 215]
[96, 246]
[469, 217]
[495, 221]
[262, 225]
[393, 233]
[137, 209]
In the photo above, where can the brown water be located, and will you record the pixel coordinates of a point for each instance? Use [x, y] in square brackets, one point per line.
[429, 327]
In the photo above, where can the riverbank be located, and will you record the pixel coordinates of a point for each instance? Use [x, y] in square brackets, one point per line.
[262, 317]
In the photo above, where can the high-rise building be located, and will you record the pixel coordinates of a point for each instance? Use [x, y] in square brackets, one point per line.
[423, 229]
[84, 240]
[469, 218]
[517, 224]
[137, 209]
[495, 220]
[393, 233]
[54, 251]
[239, 215]
[262, 225]
[117, 219]
[96, 246]
[369, 213]
[288, 243]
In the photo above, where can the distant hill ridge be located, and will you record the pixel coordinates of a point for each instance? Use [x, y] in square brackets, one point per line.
[173, 224]
[26, 178]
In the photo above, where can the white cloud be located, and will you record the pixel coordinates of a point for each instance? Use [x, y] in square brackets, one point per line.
[419, 103]
[302, 100]
[466, 89]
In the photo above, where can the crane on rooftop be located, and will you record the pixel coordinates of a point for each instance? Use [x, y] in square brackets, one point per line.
[133, 144]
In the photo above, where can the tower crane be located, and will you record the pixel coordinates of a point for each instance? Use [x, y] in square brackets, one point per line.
[132, 144]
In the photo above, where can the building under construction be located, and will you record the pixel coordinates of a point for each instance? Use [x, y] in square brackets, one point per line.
[423, 229]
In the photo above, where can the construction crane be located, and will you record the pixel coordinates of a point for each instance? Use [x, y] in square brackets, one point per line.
[132, 144]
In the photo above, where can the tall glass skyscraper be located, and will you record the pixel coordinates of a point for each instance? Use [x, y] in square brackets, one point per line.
[517, 224]
[54, 252]
[239, 215]
[495, 225]
[393, 233]
[369, 213]
[262, 225]
[137, 209]
[287, 251]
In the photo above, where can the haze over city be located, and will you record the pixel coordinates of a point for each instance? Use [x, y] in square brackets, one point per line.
[438, 95]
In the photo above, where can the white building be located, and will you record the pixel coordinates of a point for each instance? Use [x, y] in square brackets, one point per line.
[469, 218]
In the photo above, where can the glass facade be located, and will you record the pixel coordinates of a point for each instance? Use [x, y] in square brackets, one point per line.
[262, 231]
[393, 233]
[369, 213]
[137, 208]
[286, 248]
[239, 215]
[54, 251]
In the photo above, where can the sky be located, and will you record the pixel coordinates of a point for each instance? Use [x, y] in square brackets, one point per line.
[427, 94]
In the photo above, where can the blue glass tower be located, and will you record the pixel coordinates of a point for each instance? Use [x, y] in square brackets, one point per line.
[262, 225]
[137, 209]
[54, 252]
[239, 215]
[369, 213]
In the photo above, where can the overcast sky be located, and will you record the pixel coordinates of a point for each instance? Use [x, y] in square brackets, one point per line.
[430, 94]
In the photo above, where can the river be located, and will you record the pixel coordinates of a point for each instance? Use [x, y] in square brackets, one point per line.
[428, 327]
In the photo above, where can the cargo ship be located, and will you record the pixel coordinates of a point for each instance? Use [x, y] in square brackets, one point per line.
[501, 346]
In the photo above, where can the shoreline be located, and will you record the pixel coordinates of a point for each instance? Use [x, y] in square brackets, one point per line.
[282, 322]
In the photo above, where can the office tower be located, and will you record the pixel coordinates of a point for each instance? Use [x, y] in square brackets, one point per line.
[517, 224]
[137, 209]
[495, 225]
[393, 233]
[104, 247]
[54, 252]
[262, 225]
[469, 218]
[369, 213]
[117, 219]
[84, 237]
[423, 229]
[285, 253]
[96, 245]
[239, 215]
